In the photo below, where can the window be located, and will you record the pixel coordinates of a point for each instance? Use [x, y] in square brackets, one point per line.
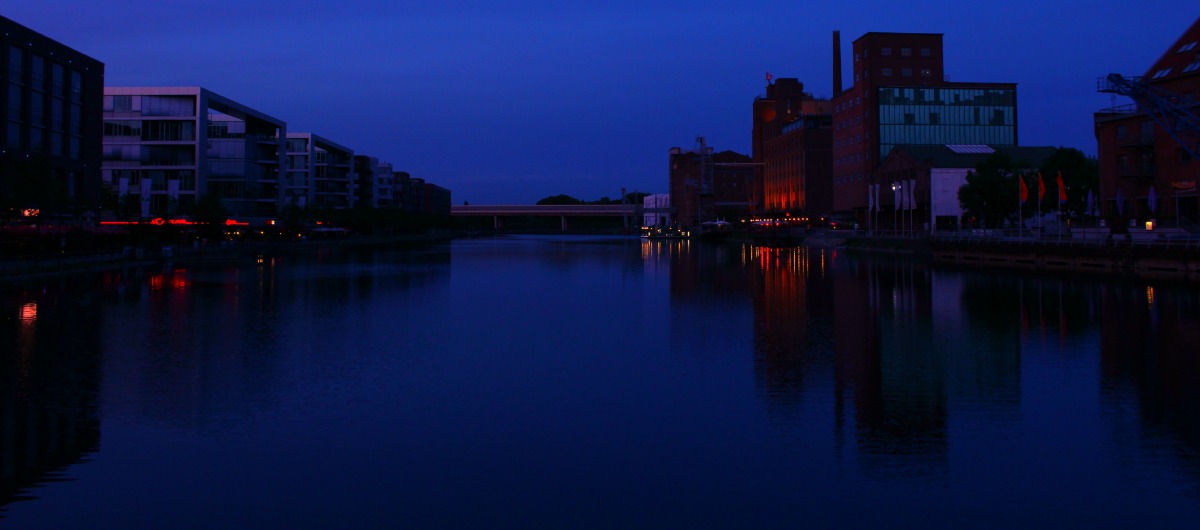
[1192, 67]
[14, 135]
[1123, 161]
[906, 52]
[76, 86]
[14, 103]
[935, 118]
[58, 79]
[1161, 73]
[1183, 156]
[37, 73]
[1186, 47]
[122, 103]
[926, 52]
[16, 60]
[887, 72]
[906, 72]
[1122, 132]
[886, 52]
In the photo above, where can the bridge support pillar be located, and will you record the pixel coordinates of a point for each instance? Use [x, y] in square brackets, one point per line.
[564, 223]
[496, 222]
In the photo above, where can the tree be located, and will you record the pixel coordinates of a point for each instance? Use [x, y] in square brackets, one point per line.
[559, 200]
[211, 214]
[991, 192]
[1080, 175]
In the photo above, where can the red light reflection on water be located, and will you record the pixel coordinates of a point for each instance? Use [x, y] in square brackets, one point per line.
[173, 280]
[29, 313]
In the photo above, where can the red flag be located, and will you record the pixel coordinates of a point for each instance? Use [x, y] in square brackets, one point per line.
[1041, 187]
[1062, 190]
[1024, 189]
[769, 77]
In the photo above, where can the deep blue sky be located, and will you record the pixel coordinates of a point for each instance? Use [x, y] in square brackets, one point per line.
[509, 102]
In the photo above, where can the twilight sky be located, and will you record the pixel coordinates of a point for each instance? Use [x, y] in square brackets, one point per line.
[509, 102]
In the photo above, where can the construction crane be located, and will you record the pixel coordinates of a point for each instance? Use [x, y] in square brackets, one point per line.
[1172, 112]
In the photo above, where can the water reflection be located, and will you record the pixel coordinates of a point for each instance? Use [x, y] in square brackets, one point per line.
[928, 363]
[1150, 357]
[777, 382]
[48, 386]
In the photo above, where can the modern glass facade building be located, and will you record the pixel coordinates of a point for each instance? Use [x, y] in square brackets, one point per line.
[319, 173]
[941, 116]
[168, 146]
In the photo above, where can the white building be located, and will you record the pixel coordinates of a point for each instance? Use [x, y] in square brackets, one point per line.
[320, 173]
[168, 146]
[656, 210]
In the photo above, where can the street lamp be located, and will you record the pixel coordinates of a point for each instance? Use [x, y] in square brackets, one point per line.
[895, 204]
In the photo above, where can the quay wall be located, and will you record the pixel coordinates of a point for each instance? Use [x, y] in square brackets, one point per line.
[1150, 260]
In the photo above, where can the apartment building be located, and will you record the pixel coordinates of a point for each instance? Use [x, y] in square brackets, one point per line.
[319, 173]
[165, 147]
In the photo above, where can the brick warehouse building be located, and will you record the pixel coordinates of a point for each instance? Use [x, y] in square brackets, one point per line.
[792, 133]
[900, 96]
[1139, 161]
[50, 141]
[726, 192]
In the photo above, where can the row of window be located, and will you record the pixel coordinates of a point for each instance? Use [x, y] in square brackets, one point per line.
[941, 115]
[886, 51]
[907, 72]
[850, 140]
[1006, 97]
[39, 140]
[182, 106]
[158, 177]
[151, 131]
[62, 117]
[847, 160]
[1182, 156]
[59, 77]
[846, 104]
[846, 124]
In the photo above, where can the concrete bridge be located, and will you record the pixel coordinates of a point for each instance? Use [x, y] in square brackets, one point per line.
[562, 211]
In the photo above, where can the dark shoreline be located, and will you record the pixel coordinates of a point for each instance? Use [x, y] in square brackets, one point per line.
[40, 267]
[1179, 261]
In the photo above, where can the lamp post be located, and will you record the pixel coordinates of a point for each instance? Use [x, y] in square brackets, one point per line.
[895, 205]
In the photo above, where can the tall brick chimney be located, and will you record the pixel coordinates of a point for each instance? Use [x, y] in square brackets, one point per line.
[837, 63]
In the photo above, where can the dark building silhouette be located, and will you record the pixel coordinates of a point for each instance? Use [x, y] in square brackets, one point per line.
[706, 186]
[50, 141]
[49, 384]
[792, 134]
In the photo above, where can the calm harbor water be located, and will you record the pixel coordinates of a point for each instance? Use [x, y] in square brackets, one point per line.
[554, 382]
